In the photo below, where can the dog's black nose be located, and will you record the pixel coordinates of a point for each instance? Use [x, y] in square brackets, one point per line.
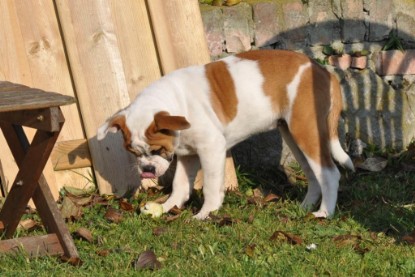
[149, 169]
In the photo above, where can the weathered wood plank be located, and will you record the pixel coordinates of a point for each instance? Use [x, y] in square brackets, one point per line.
[33, 246]
[178, 30]
[32, 53]
[71, 154]
[181, 42]
[106, 74]
[14, 97]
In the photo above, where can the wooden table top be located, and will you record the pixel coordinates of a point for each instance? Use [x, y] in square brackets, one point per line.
[15, 97]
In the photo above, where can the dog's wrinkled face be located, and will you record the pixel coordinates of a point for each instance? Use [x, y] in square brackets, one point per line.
[152, 145]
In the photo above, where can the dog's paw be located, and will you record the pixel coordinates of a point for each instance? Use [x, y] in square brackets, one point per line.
[321, 214]
[201, 216]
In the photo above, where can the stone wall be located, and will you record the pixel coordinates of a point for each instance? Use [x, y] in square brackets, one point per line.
[348, 37]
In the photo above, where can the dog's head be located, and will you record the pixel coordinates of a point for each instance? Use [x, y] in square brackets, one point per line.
[151, 139]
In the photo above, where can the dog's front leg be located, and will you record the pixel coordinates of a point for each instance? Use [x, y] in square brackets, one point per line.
[213, 166]
[184, 177]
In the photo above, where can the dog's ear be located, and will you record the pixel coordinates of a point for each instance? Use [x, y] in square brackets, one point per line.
[165, 121]
[112, 125]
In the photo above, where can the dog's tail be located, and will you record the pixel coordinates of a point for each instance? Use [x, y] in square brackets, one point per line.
[333, 118]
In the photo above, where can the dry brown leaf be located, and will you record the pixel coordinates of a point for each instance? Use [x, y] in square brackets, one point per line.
[250, 219]
[162, 199]
[75, 261]
[172, 217]
[126, 206]
[175, 211]
[85, 234]
[284, 236]
[343, 240]
[147, 260]
[159, 231]
[250, 249]
[27, 224]
[258, 193]
[103, 252]
[409, 238]
[113, 215]
[70, 210]
[374, 164]
[271, 197]
[81, 201]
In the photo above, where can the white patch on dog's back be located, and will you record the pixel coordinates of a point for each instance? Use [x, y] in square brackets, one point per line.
[292, 89]
[254, 107]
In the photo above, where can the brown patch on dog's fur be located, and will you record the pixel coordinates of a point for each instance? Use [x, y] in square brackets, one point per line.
[310, 111]
[223, 94]
[311, 107]
[278, 68]
[165, 121]
[160, 134]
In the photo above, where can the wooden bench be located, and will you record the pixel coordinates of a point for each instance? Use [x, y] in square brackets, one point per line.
[23, 106]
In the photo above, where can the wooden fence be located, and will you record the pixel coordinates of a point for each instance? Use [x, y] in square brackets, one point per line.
[103, 52]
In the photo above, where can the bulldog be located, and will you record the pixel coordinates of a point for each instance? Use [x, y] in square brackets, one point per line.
[199, 112]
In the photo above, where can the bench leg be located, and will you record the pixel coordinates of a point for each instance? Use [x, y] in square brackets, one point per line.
[30, 183]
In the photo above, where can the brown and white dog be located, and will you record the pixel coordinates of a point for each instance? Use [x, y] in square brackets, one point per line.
[199, 112]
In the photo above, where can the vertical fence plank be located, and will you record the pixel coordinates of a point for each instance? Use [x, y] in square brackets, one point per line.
[32, 53]
[180, 39]
[106, 71]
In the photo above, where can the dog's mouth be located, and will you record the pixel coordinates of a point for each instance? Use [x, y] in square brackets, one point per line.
[149, 172]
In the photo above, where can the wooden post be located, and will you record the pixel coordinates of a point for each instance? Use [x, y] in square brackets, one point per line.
[180, 38]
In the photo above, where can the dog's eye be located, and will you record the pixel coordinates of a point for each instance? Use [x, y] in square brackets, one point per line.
[134, 151]
[155, 152]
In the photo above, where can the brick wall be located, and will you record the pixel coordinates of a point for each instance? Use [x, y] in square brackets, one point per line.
[378, 86]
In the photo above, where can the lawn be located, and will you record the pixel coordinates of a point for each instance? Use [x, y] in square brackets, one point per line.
[260, 231]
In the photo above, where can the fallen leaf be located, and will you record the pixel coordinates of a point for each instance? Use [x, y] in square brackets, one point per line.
[85, 234]
[271, 197]
[159, 231]
[409, 238]
[224, 220]
[147, 260]
[113, 215]
[250, 249]
[75, 261]
[81, 201]
[79, 192]
[162, 199]
[126, 206]
[258, 193]
[355, 241]
[70, 210]
[103, 252]
[172, 217]
[343, 240]
[27, 224]
[284, 236]
[374, 164]
[250, 219]
[175, 210]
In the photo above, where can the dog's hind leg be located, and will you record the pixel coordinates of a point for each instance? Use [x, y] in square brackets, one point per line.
[312, 140]
[184, 177]
[313, 190]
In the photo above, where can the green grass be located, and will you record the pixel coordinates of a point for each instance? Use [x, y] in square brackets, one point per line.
[375, 210]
